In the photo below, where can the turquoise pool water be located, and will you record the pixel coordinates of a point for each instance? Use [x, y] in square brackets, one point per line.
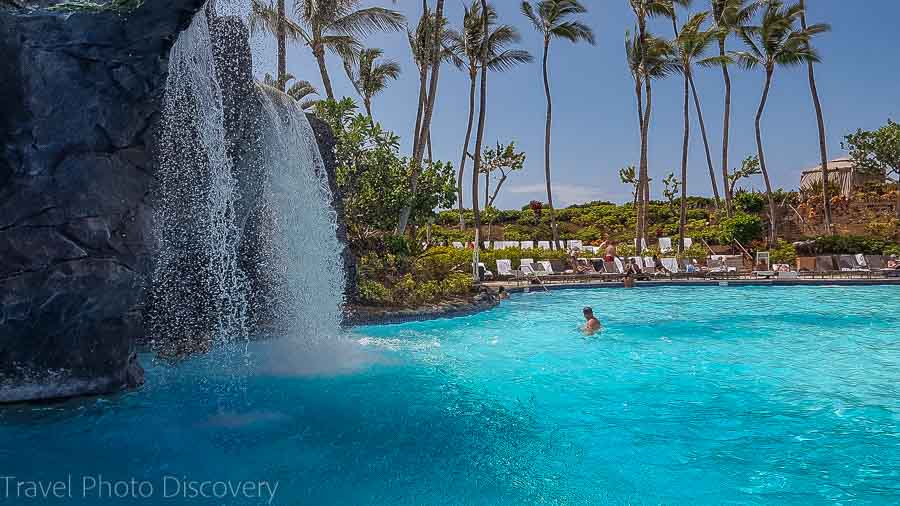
[700, 395]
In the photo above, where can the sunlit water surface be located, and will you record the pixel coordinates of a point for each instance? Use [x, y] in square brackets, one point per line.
[700, 395]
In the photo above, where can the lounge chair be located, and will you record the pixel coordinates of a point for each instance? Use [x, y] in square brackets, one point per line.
[545, 245]
[486, 245]
[459, 245]
[620, 266]
[825, 264]
[875, 262]
[671, 264]
[849, 263]
[574, 245]
[487, 274]
[788, 274]
[526, 244]
[688, 242]
[504, 269]
[559, 267]
[638, 261]
[526, 261]
[665, 244]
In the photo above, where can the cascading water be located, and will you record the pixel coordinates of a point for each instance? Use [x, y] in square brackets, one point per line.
[246, 233]
[307, 250]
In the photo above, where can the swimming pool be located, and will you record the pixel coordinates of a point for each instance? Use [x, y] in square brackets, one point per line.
[698, 395]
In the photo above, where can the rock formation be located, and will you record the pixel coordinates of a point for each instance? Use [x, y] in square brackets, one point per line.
[81, 100]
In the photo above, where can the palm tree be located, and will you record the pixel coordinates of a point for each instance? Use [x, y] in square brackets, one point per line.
[551, 18]
[272, 18]
[729, 17]
[643, 10]
[465, 48]
[299, 91]
[428, 46]
[709, 162]
[691, 44]
[820, 122]
[370, 76]
[775, 42]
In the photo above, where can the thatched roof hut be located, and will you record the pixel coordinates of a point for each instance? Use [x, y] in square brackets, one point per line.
[841, 171]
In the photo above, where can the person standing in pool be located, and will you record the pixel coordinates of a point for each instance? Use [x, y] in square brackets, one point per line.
[593, 324]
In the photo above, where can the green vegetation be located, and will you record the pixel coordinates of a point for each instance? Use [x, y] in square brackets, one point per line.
[372, 177]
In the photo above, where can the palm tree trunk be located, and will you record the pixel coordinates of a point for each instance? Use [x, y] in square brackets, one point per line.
[682, 217]
[425, 132]
[319, 52]
[487, 190]
[762, 157]
[645, 170]
[820, 122]
[281, 39]
[709, 162]
[553, 229]
[479, 135]
[368, 103]
[465, 151]
[639, 189]
[423, 78]
[726, 127]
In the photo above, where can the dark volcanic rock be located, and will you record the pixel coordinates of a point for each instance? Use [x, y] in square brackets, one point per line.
[325, 140]
[80, 96]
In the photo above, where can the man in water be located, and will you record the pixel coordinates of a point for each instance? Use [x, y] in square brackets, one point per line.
[593, 324]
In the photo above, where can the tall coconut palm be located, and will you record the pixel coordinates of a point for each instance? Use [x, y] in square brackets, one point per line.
[466, 48]
[553, 20]
[421, 45]
[775, 42]
[709, 162]
[729, 16]
[643, 11]
[691, 44]
[370, 76]
[428, 44]
[820, 122]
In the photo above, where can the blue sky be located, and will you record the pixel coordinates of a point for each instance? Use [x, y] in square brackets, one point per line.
[595, 131]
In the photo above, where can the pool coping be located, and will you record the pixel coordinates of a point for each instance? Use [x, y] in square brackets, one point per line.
[706, 282]
[458, 310]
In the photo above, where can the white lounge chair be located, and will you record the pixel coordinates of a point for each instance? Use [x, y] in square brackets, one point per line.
[504, 268]
[619, 265]
[545, 245]
[574, 245]
[671, 264]
[459, 245]
[527, 245]
[688, 242]
[643, 244]
[526, 261]
[665, 244]
[548, 268]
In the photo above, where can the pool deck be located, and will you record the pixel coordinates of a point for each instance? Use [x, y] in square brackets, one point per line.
[566, 284]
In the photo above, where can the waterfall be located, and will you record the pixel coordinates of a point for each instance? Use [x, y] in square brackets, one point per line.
[305, 239]
[244, 224]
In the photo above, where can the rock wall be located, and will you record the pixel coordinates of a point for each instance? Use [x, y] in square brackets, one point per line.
[79, 100]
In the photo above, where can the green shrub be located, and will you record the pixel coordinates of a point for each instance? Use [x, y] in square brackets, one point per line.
[851, 244]
[373, 292]
[740, 227]
[749, 202]
[783, 253]
[457, 284]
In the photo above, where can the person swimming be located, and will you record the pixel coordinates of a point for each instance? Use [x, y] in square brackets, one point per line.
[593, 324]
